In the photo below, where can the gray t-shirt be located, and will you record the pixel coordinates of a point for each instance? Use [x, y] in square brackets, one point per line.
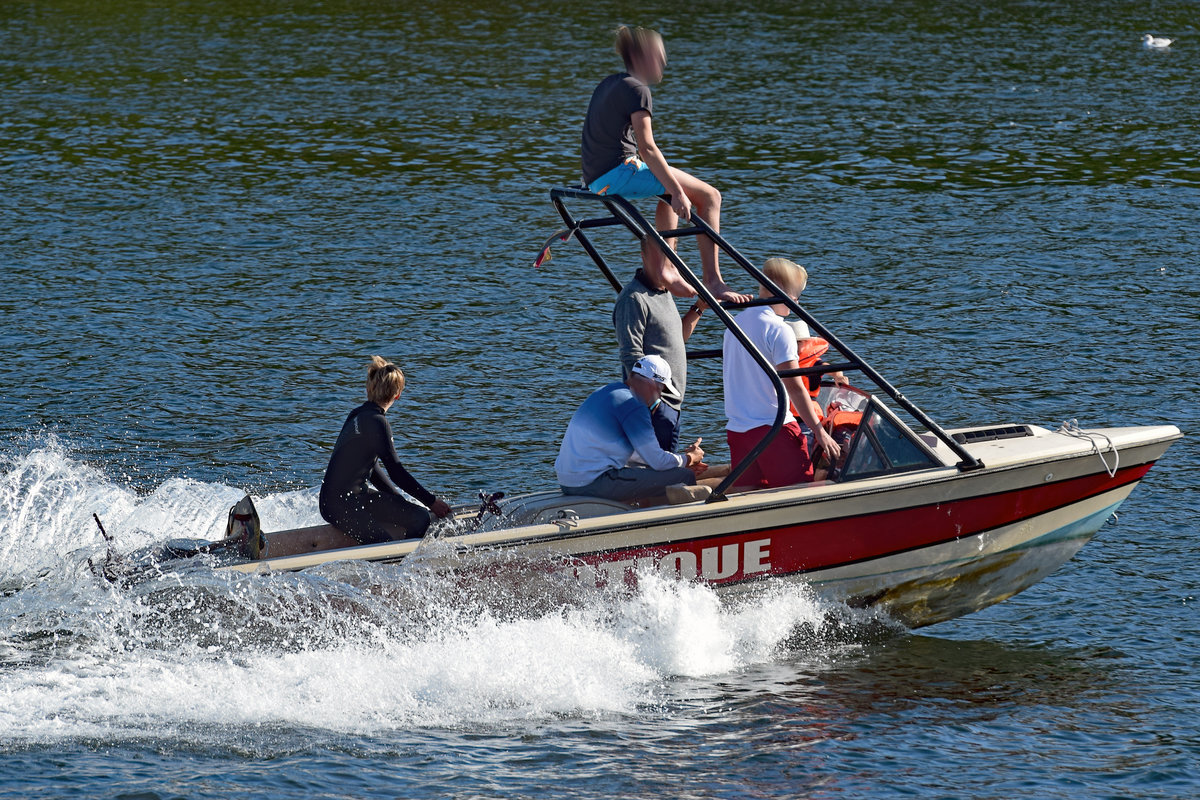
[608, 129]
[648, 324]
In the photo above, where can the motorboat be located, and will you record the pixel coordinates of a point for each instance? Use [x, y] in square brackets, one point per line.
[924, 523]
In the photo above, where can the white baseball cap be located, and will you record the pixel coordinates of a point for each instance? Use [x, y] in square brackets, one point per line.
[656, 369]
[801, 329]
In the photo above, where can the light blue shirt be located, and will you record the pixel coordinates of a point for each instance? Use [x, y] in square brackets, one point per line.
[610, 426]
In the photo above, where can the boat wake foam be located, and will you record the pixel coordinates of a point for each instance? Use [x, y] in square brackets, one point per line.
[348, 648]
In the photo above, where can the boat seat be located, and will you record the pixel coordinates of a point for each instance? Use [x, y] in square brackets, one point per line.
[548, 507]
[307, 540]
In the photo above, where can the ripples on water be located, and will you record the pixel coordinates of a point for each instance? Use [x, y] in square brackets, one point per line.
[212, 214]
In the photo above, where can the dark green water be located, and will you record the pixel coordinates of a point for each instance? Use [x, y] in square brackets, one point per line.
[212, 213]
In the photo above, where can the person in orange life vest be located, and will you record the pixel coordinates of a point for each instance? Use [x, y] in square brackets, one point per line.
[750, 400]
[809, 353]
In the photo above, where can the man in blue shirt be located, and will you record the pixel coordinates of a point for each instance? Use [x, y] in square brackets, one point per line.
[610, 427]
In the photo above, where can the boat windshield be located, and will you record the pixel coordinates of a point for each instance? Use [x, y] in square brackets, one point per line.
[883, 445]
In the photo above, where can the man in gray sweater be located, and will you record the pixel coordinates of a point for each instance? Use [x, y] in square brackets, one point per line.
[648, 324]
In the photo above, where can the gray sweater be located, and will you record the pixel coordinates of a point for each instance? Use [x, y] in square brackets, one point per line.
[648, 324]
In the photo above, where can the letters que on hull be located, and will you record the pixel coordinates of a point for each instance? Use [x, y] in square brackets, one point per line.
[713, 564]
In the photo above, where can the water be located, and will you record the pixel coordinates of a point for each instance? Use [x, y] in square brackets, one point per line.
[213, 213]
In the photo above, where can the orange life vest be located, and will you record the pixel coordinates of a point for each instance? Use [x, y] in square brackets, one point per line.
[809, 352]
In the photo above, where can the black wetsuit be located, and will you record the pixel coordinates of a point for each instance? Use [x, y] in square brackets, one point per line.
[364, 451]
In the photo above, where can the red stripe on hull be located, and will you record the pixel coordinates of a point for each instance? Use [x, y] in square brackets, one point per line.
[824, 544]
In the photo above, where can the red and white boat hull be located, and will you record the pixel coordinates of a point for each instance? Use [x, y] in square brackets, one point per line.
[924, 563]
[926, 546]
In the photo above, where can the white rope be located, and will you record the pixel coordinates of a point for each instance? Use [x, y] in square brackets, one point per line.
[1070, 428]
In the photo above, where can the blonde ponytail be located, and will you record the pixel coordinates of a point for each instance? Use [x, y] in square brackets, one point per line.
[384, 381]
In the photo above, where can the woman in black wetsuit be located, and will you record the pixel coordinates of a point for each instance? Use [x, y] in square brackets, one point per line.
[364, 452]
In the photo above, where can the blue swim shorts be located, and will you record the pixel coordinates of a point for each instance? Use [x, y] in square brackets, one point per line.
[631, 179]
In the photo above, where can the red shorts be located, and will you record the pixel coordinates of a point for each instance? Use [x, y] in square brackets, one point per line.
[785, 461]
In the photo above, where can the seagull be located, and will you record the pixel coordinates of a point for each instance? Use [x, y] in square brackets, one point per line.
[1156, 42]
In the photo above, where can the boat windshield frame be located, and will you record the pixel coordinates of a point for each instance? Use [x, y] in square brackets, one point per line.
[622, 213]
[865, 436]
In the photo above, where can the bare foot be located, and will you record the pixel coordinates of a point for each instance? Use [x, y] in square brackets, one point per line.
[674, 283]
[722, 292]
[681, 288]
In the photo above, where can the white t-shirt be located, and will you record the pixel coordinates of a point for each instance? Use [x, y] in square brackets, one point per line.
[750, 400]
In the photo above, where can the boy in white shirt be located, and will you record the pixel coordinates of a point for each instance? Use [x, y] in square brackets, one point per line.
[750, 400]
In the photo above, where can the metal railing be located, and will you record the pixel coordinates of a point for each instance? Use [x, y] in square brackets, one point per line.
[623, 213]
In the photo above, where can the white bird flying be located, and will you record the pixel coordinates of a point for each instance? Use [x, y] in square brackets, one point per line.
[1156, 42]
